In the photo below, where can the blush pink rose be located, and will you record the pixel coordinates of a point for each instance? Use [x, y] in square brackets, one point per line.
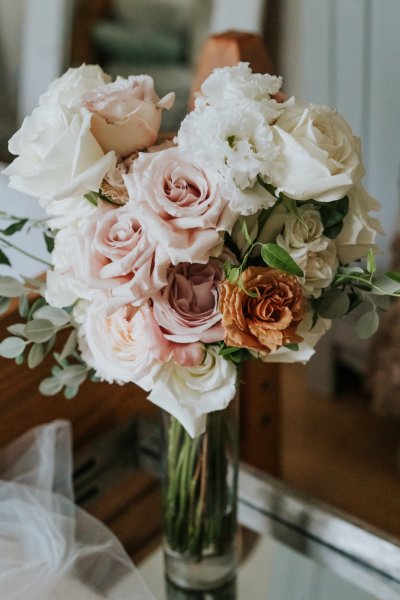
[187, 308]
[126, 114]
[179, 204]
[116, 255]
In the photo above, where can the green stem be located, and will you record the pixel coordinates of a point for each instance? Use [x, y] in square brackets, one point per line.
[11, 245]
[9, 217]
[368, 282]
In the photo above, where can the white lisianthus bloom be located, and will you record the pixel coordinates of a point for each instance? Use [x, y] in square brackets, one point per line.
[115, 344]
[189, 393]
[235, 140]
[303, 238]
[320, 158]
[311, 336]
[57, 155]
[72, 85]
[229, 83]
[359, 227]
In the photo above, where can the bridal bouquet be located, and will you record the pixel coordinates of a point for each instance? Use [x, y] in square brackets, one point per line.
[174, 259]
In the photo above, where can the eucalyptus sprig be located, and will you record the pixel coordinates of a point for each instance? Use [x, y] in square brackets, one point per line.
[36, 335]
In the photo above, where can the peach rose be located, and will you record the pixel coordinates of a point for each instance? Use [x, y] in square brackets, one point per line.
[126, 114]
[269, 320]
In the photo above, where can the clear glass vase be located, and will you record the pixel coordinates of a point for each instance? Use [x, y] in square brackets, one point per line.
[200, 501]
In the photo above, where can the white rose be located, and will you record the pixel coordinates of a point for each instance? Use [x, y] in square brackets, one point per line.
[69, 212]
[115, 344]
[64, 288]
[303, 238]
[70, 87]
[311, 335]
[320, 158]
[58, 157]
[127, 114]
[189, 393]
[359, 228]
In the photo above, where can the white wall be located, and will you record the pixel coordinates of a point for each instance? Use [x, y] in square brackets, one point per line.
[347, 54]
[240, 15]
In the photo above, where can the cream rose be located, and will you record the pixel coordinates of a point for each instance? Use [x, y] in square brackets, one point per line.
[70, 87]
[360, 229]
[58, 157]
[127, 114]
[320, 159]
[303, 238]
[116, 344]
[188, 394]
[309, 332]
[179, 205]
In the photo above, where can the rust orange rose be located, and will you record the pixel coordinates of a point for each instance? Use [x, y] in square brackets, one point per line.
[266, 321]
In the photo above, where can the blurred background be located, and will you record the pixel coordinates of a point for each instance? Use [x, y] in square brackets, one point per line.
[339, 434]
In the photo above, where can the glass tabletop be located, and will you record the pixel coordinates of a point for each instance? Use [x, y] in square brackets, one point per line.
[293, 548]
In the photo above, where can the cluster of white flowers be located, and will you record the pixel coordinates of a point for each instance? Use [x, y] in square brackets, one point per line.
[143, 264]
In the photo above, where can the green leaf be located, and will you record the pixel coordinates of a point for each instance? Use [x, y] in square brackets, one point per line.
[393, 275]
[39, 330]
[371, 264]
[382, 302]
[10, 287]
[57, 316]
[332, 215]
[49, 241]
[92, 197]
[4, 304]
[16, 329]
[226, 350]
[14, 227]
[4, 260]
[50, 386]
[36, 355]
[73, 375]
[277, 258]
[69, 345]
[367, 324]
[234, 274]
[333, 304]
[388, 285]
[23, 306]
[11, 347]
[294, 347]
[245, 231]
[245, 290]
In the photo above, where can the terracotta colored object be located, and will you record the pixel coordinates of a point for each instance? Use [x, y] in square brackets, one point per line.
[226, 49]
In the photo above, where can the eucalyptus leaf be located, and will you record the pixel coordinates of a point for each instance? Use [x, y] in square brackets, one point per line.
[36, 355]
[39, 302]
[19, 360]
[73, 375]
[50, 386]
[367, 324]
[23, 306]
[278, 258]
[11, 287]
[382, 302]
[393, 275]
[71, 391]
[39, 330]
[386, 284]
[69, 345]
[57, 316]
[333, 304]
[4, 260]
[16, 329]
[4, 304]
[11, 347]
